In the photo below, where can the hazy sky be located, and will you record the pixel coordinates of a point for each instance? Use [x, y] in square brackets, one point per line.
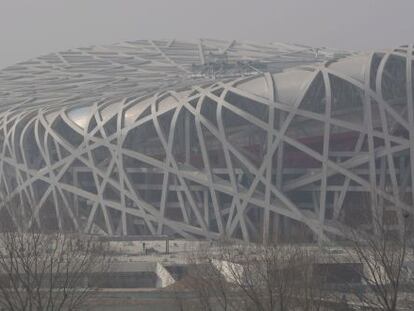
[29, 28]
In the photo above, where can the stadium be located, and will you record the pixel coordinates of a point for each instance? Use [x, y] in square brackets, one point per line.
[207, 139]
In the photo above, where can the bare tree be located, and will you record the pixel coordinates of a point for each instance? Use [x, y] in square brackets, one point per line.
[384, 250]
[275, 277]
[254, 277]
[47, 271]
[208, 283]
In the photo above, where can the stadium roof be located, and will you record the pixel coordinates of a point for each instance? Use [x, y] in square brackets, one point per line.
[137, 68]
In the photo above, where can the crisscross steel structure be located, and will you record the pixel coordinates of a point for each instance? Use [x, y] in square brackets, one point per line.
[207, 139]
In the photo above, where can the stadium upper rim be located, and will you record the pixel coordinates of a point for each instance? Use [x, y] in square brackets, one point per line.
[138, 68]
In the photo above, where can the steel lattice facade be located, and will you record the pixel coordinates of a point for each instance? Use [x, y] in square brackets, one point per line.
[207, 139]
